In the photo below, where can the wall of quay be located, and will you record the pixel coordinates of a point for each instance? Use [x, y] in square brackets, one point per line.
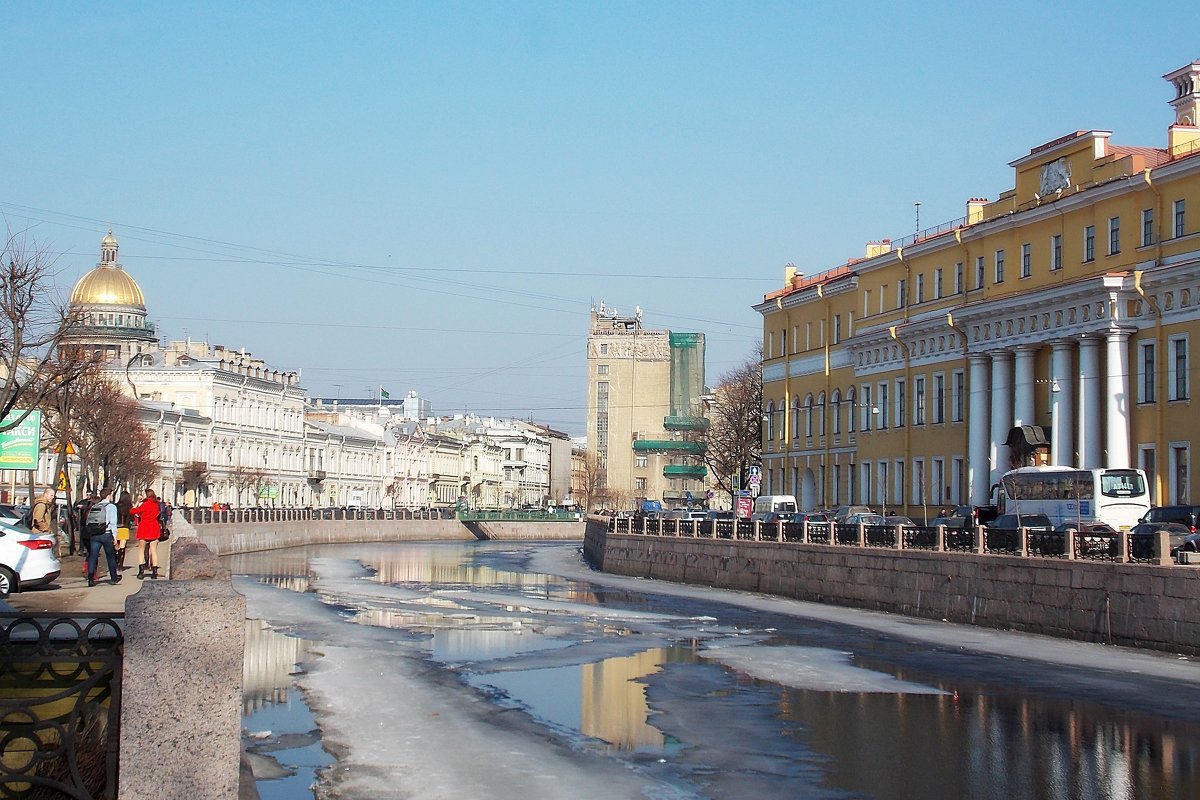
[231, 538]
[1134, 605]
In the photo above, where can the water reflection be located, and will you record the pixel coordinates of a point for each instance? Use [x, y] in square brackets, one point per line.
[734, 734]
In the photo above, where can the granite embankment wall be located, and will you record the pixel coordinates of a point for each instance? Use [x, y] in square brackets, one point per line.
[1136, 605]
[231, 538]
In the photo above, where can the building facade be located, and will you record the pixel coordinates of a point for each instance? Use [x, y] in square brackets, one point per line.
[645, 418]
[1069, 303]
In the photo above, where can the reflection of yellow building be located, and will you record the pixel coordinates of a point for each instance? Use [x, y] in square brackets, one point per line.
[614, 705]
[271, 658]
[1069, 303]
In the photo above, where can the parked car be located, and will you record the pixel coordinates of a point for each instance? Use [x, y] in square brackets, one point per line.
[841, 513]
[810, 516]
[11, 514]
[1181, 537]
[898, 519]
[1035, 522]
[966, 517]
[865, 518]
[27, 559]
[1182, 515]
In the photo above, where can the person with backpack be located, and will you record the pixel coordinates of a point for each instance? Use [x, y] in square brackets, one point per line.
[149, 531]
[101, 529]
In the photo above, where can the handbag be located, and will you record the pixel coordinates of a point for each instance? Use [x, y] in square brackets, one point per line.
[165, 535]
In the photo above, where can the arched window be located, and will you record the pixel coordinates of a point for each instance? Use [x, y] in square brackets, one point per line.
[796, 417]
[821, 414]
[836, 402]
[808, 416]
[770, 421]
[852, 407]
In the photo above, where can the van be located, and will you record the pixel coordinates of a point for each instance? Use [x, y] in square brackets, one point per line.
[777, 504]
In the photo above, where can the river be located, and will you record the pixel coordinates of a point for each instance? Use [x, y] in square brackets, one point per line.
[511, 671]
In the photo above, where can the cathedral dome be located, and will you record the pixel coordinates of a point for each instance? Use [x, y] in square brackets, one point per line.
[108, 284]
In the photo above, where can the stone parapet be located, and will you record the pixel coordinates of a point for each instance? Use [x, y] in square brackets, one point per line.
[1155, 607]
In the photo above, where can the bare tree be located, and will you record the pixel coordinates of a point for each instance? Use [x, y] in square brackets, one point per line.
[734, 440]
[35, 323]
[194, 477]
[107, 432]
[595, 480]
[247, 478]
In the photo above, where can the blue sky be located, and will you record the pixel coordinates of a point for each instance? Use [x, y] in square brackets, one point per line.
[431, 196]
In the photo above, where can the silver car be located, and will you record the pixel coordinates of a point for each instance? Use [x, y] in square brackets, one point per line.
[27, 559]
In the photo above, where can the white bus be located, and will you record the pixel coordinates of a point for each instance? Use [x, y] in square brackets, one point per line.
[1117, 497]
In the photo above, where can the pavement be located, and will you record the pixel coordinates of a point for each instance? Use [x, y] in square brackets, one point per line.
[70, 594]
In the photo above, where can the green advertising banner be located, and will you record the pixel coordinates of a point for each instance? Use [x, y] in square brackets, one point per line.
[19, 446]
[268, 492]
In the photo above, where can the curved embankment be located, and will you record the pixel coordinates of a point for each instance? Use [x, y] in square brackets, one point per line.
[1135, 605]
[231, 538]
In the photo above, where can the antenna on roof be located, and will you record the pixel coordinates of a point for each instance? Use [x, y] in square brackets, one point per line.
[917, 204]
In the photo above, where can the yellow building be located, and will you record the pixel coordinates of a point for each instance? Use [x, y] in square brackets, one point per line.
[1068, 302]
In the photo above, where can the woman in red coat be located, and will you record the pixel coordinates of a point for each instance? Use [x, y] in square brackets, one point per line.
[148, 533]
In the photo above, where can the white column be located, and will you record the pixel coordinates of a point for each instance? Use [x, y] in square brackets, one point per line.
[1116, 392]
[1062, 404]
[979, 427]
[1088, 418]
[1023, 386]
[1002, 417]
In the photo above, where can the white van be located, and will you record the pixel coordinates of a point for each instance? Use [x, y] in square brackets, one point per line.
[768, 504]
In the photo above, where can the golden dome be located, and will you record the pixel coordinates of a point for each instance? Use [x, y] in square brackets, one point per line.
[108, 286]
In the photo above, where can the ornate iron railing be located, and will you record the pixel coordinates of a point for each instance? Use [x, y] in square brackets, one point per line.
[60, 705]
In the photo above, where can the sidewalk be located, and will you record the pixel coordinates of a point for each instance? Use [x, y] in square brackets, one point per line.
[70, 594]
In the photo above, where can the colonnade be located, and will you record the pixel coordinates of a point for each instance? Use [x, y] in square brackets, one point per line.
[1086, 430]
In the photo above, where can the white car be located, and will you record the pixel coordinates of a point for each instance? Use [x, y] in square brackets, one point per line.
[27, 559]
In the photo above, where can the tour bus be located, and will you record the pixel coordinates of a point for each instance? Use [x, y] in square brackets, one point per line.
[767, 504]
[1117, 497]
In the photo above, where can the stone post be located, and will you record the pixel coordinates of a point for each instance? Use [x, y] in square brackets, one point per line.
[1069, 543]
[1162, 549]
[980, 541]
[941, 539]
[181, 696]
[1122, 547]
[804, 531]
[862, 535]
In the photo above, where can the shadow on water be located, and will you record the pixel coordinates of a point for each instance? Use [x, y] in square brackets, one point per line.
[813, 709]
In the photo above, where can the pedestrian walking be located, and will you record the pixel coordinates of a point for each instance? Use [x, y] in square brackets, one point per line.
[149, 531]
[124, 523]
[101, 527]
[39, 518]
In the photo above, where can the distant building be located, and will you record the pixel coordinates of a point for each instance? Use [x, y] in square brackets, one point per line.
[645, 419]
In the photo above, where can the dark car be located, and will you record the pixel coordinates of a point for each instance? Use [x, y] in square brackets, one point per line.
[967, 517]
[1181, 515]
[1035, 522]
[1181, 537]
[809, 516]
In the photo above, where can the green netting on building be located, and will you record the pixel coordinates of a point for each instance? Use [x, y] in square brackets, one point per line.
[687, 374]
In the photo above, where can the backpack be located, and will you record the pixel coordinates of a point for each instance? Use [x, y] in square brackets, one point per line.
[95, 524]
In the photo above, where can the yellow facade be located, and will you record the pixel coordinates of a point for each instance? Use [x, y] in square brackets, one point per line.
[1069, 302]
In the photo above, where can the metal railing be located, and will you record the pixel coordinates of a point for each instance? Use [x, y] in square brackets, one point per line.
[1020, 542]
[60, 705]
[207, 516]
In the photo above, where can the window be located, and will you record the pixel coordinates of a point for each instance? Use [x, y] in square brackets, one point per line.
[883, 406]
[1146, 372]
[1178, 373]
[937, 284]
[866, 407]
[1026, 261]
[883, 484]
[1056, 252]
[900, 409]
[1179, 473]
[808, 416]
[837, 328]
[850, 401]
[641, 461]
[836, 402]
[796, 417]
[959, 392]
[1114, 235]
[999, 266]
[770, 421]
[602, 369]
[639, 484]
[978, 272]
[1089, 243]
[918, 488]
[921, 288]
[1149, 463]
[901, 293]
[958, 278]
[866, 482]
[837, 484]
[939, 398]
[939, 482]
[1178, 208]
[919, 399]
[821, 414]
[603, 349]
[1147, 226]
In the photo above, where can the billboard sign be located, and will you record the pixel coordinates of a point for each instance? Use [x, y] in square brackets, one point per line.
[19, 446]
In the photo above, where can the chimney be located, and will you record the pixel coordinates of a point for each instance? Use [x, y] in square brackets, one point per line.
[1184, 136]
[975, 209]
[789, 274]
[879, 248]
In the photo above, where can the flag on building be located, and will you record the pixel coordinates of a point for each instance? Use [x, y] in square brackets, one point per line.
[383, 394]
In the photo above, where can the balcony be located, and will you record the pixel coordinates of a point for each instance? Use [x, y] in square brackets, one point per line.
[667, 446]
[685, 471]
[685, 423]
[316, 475]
